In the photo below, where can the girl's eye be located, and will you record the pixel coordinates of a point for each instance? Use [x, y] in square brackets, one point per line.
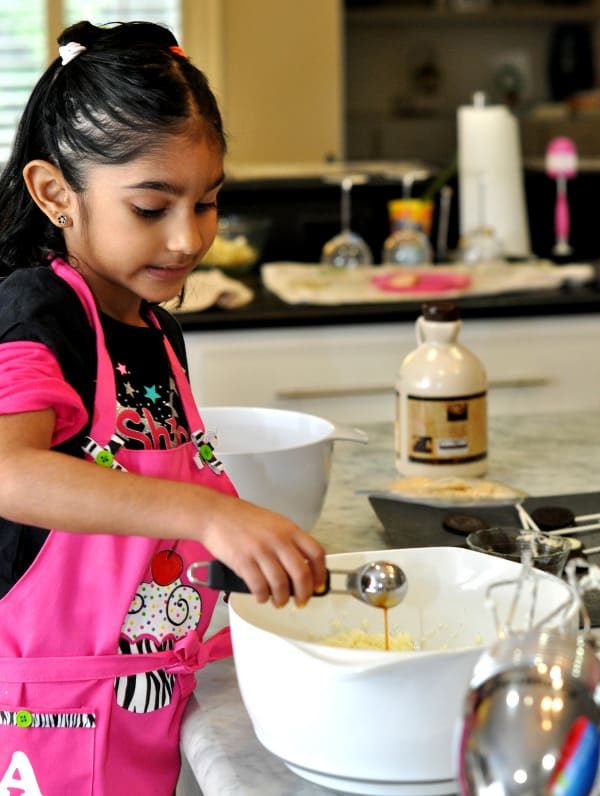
[154, 213]
[148, 212]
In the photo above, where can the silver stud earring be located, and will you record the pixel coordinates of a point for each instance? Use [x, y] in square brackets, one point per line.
[62, 220]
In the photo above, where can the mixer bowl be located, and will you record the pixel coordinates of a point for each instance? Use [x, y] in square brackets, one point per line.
[376, 721]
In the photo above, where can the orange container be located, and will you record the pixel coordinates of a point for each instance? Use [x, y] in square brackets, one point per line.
[415, 211]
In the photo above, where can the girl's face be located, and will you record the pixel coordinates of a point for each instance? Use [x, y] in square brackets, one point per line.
[142, 226]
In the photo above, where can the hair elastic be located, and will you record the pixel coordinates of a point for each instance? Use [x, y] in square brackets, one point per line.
[178, 51]
[69, 51]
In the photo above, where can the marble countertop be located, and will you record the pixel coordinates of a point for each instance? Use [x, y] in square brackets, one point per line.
[542, 455]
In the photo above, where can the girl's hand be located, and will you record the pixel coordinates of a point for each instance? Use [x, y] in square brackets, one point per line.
[273, 555]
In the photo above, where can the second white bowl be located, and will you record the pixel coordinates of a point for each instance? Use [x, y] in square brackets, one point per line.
[277, 458]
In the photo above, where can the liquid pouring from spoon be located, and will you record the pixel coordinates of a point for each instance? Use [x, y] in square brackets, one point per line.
[381, 584]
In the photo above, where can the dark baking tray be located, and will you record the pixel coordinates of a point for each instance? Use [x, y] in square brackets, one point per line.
[409, 524]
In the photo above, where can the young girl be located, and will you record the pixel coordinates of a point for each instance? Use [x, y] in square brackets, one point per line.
[108, 202]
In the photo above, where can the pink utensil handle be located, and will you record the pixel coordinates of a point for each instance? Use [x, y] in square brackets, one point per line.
[562, 218]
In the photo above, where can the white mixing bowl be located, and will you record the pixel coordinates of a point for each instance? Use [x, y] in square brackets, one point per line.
[370, 721]
[277, 458]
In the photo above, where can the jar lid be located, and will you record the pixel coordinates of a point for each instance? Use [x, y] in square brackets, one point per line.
[440, 311]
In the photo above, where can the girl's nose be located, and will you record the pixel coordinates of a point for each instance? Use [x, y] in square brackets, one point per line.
[185, 236]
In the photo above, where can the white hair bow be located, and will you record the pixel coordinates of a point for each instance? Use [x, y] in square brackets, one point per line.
[69, 51]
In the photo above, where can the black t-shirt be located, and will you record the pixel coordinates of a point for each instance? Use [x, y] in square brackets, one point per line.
[150, 414]
[37, 305]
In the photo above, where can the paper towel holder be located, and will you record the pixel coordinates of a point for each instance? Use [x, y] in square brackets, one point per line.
[489, 149]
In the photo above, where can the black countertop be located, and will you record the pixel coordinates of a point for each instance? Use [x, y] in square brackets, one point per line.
[268, 311]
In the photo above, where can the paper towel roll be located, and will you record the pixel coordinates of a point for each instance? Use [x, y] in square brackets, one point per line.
[490, 176]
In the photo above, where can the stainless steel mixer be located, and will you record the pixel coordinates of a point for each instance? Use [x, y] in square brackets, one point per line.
[532, 713]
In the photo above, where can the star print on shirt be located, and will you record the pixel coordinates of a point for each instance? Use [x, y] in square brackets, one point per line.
[149, 414]
[151, 394]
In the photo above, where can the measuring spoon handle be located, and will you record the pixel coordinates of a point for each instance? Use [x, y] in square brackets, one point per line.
[222, 578]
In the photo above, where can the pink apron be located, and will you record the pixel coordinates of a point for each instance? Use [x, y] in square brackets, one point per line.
[101, 636]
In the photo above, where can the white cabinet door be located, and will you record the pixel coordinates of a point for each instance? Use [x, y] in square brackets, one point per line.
[347, 373]
[342, 373]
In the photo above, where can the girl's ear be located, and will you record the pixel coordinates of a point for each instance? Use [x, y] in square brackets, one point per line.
[50, 192]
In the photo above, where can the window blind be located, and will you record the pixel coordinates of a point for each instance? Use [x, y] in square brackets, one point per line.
[100, 12]
[23, 44]
[22, 59]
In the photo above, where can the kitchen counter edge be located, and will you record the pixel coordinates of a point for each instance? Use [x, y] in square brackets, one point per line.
[268, 311]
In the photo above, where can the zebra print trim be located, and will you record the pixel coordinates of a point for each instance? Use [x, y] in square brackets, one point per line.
[26, 719]
[148, 691]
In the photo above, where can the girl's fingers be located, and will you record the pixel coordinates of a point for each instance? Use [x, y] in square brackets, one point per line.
[305, 564]
[282, 574]
[279, 579]
[255, 580]
[266, 576]
[315, 555]
[299, 573]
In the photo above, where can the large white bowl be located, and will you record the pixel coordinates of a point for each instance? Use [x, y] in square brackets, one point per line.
[277, 458]
[376, 722]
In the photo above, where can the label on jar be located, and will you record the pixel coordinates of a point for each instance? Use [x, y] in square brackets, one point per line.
[446, 430]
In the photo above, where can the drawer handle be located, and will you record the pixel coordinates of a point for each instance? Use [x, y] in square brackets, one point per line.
[331, 392]
[518, 383]
[340, 392]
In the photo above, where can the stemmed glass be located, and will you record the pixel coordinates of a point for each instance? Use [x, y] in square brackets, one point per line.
[481, 245]
[347, 248]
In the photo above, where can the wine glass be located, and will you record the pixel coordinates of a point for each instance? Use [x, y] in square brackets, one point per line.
[481, 245]
[347, 248]
[407, 245]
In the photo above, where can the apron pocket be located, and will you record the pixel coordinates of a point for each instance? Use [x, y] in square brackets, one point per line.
[46, 753]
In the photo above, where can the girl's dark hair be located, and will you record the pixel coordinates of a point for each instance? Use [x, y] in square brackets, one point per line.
[110, 104]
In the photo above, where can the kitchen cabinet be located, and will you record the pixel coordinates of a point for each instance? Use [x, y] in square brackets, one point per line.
[324, 79]
[277, 71]
[346, 373]
[409, 66]
[447, 12]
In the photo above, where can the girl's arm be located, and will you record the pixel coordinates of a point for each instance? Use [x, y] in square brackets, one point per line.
[39, 486]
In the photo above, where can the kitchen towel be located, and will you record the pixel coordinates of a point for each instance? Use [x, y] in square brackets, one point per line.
[304, 283]
[490, 176]
[205, 289]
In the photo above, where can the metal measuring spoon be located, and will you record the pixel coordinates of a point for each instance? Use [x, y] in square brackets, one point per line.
[378, 583]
